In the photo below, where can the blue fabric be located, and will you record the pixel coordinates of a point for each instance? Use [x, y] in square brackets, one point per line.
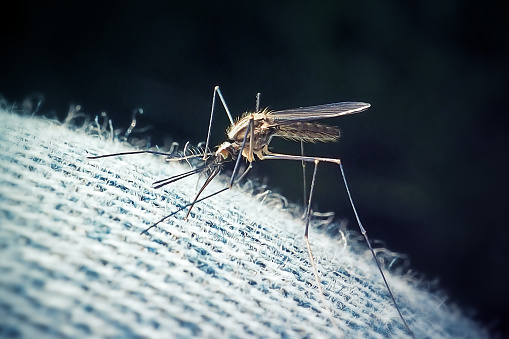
[73, 263]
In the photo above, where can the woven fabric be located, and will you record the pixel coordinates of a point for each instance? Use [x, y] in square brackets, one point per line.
[73, 263]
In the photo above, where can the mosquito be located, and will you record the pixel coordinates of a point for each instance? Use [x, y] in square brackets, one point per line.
[249, 139]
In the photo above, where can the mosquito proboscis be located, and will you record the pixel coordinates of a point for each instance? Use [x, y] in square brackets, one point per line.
[250, 137]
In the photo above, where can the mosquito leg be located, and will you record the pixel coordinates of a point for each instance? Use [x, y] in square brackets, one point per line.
[274, 156]
[218, 92]
[251, 140]
[365, 234]
[224, 105]
[303, 173]
[209, 179]
[310, 253]
[210, 122]
[250, 129]
[183, 208]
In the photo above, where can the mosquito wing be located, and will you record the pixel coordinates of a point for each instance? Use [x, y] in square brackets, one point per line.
[303, 114]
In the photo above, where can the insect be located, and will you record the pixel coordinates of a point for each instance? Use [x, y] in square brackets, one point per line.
[250, 137]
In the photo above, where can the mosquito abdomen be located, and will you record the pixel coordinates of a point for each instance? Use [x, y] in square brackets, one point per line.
[308, 132]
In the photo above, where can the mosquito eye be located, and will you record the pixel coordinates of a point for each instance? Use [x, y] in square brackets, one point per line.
[227, 155]
[223, 153]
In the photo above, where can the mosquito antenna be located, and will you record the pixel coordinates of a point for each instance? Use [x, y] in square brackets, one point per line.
[192, 156]
[364, 233]
[258, 102]
[129, 153]
[171, 156]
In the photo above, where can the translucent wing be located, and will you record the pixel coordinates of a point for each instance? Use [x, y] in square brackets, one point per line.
[303, 114]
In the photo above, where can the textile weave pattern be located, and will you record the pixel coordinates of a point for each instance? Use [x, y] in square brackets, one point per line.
[73, 263]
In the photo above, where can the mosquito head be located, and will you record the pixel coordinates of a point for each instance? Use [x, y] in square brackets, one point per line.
[226, 152]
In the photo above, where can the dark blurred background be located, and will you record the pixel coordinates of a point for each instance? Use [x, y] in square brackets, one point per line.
[427, 164]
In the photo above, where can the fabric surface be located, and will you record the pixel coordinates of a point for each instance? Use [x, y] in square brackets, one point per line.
[73, 263]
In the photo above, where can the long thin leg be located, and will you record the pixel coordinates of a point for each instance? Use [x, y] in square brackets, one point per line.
[183, 208]
[310, 253]
[249, 130]
[274, 156]
[365, 234]
[303, 173]
[209, 179]
[218, 91]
